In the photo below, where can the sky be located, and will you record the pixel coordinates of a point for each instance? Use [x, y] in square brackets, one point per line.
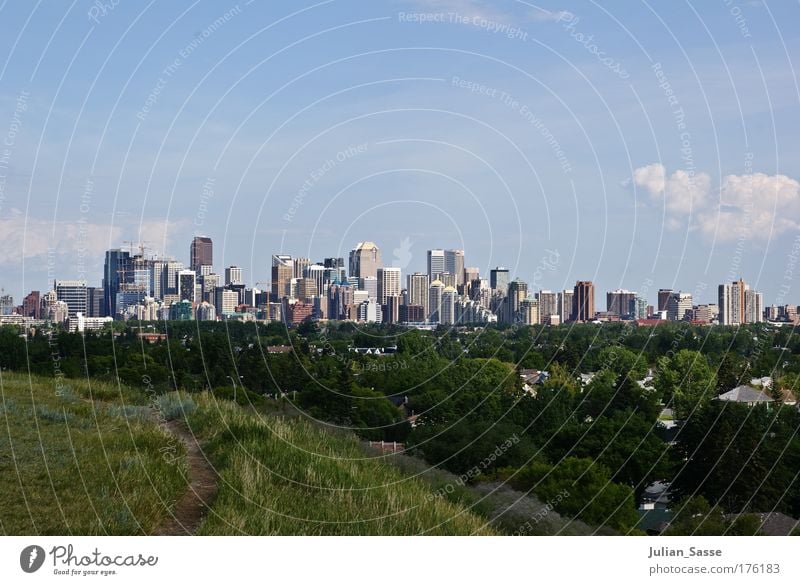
[641, 145]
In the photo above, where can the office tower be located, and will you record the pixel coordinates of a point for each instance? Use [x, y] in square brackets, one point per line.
[333, 262]
[517, 292]
[116, 270]
[157, 278]
[663, 298]
[233, 275]
[31, 305]
[282, 274]
[48, 299]
[365, 259]
[435, 264]
[470, 275]
[225, 301]
[140, 267]
[208, 287]
[706, 313]
[181, 310]
[72, 292]
[369, 311]
[201, 253]
[388, 283]
[300, 267]
[583, 301]
[187, 281]
[548, 305]
[754, 306]
[412, 313]
[529, 312]
[498, 280]
[619, 302]
[454, 264]
[677, 306]
[369, 284]
[206, 312]
[306, 288]
[169, 282]
[447, 310]
[417, 285]
[638, 308]
[94, 302]
[733, 304]
[435, 291]
[6, 305]
[565, 305]
[205, 269]
[391, 309]
[316, 272]
[58, 312]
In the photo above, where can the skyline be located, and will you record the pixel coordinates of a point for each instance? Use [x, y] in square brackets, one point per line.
[302, 127]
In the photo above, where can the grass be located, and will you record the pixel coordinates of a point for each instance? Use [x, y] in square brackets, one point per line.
[71, 465]
[285, 476]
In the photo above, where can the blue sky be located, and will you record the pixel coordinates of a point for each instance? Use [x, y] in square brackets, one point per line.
[639, 145]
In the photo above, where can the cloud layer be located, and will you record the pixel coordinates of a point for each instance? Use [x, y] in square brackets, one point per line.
[753, 206]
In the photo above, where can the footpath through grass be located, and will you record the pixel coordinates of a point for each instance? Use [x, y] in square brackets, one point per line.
[284, 475]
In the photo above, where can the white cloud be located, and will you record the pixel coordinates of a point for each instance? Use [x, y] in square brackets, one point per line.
[755, 206]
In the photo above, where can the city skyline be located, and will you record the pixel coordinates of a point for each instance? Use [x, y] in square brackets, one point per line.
[671, 166]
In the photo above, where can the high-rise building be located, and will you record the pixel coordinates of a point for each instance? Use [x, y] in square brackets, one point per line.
[663, 298]
[391, 309]
[116, 271]
[529, 313]
[498, 280]
[548, 305]
[208, 287]
[225, 301]
[31, 305]
[370, 285]
[388, 283]
[316, 272]
[435, 291]
[447, 310]
[300, 267]
[678, 304]
[206, 312]
[169, 282]
[187, 281]
[512, 305]
[583, 301]
[565, 305]
[72, 292]
[282, 274]
[6, 305]
[639, 308]
[158, 268]
[365, 259]
[94, 302]
[417, 285]
[201, 253]
[738, 304]
[333, 262]
[619, 302]
[233, 275]
[454, 264]
[435, 264]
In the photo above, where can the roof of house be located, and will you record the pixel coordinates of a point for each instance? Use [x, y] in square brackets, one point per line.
[745, 394]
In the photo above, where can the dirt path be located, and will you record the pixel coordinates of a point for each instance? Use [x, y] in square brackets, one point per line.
[193, 505]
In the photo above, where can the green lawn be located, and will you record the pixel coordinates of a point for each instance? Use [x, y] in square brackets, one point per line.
[73, 465]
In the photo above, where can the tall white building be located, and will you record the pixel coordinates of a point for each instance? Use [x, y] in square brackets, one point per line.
[233, 275]
[678, 303]
[72, 292]
[738, 304]
[548, 305]
[435, 264]
[435, 291]
[454, 264]
[447, 309]
[388, 283]
[417, 285]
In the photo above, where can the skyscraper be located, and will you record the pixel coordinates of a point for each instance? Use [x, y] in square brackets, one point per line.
[72, 292]
[677, 306]
[454, 264]
[733, 303]
[233, 275]
[435, 291]
[619, 301]
[282, 274]
[388, 283]
[447, 309]
[435, 264]
[663, 298]
[498, 280]
[548, 305]
[365, 259]
[517, 292]
[583, 301]
[565, 305]
[187, 281]
[201, 253]
[417, 290]
[117, 270]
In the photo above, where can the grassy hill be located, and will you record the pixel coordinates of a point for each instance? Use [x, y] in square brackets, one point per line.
[82, 458]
